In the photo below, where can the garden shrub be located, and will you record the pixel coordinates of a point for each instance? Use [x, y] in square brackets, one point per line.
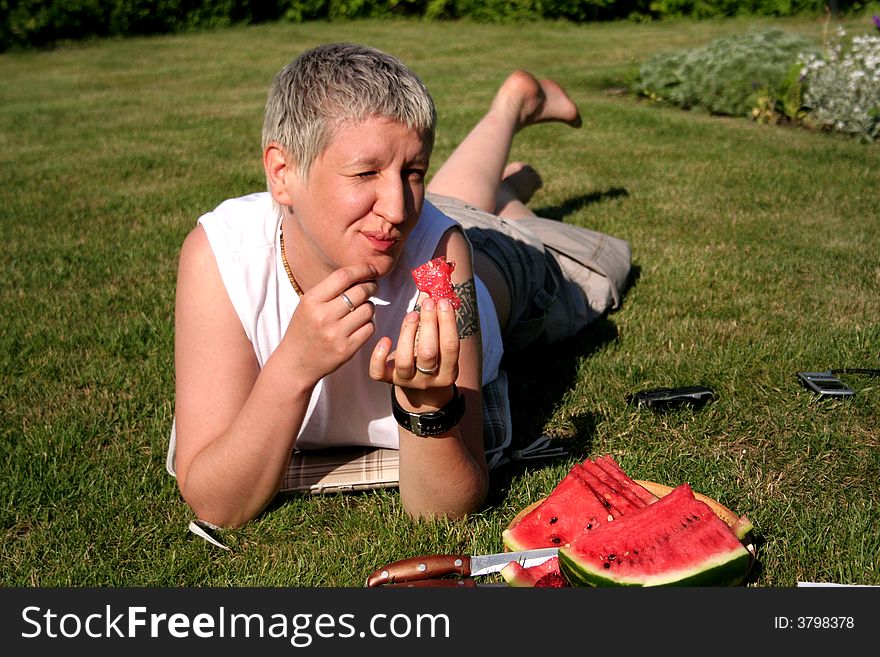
[773, 76]
[729, 75]
[843, 86]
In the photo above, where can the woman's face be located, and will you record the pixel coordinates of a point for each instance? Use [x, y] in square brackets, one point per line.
[361, 199]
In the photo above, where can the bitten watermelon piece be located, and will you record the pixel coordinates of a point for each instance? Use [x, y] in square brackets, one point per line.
[515, 574]
[434, 278]
[676, 541]
[570, 509]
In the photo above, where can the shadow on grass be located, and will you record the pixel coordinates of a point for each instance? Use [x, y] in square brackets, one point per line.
[558, 212]
[756, 569]
[538, 379]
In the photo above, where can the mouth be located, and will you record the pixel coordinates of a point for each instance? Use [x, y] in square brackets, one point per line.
[380, 241]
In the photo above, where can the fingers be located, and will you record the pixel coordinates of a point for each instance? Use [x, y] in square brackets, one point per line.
[349, 289]
[404, 357]
[334, 318]
[345, 292]
[450, 343]
[381, 364]
[427, 349]
[437, 347]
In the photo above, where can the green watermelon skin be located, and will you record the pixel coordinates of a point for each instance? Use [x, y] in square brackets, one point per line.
[742, 527]
[677, 541]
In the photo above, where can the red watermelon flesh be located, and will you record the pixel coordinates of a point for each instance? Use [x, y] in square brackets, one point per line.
[434, 278]
[605, 488]
[552, 580]
[515, 574]
[609, 465]
[678, 540]
[571, 508]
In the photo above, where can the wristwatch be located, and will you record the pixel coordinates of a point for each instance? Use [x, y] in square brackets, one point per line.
[432, 423]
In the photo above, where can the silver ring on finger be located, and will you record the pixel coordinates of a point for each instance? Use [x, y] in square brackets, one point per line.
[427, 371]
[348, 302]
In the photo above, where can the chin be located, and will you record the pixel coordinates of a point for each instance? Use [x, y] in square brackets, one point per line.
[383, 265]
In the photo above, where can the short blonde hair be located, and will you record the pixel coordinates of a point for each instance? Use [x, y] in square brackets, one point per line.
[339, 83]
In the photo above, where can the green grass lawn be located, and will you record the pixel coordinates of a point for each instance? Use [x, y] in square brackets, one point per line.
[757, 253]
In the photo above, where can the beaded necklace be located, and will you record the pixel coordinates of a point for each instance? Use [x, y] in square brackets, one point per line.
[296, 287]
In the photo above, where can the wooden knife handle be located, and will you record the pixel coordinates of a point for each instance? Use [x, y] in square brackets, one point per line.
[419, 568]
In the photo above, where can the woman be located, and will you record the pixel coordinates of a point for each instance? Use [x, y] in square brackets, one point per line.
[298, 324]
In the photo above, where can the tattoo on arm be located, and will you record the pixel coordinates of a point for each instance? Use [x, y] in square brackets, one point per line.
[467, 315]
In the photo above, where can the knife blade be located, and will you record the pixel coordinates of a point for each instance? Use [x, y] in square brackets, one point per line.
[434, 566]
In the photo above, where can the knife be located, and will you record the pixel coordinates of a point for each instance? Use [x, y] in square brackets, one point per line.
[434, 566]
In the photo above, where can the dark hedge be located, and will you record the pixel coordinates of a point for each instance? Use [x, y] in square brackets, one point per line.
[30, 23]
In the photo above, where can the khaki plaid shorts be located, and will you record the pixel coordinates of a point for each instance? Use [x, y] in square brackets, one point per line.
[561, 276]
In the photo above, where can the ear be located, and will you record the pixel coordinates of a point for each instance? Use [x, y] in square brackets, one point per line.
[280, 176]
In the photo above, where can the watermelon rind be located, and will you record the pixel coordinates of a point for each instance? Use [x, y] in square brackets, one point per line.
[723, 569]
[742, 527]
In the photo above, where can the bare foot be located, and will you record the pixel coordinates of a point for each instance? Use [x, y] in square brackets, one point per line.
[522, 181]
[536, 101]
[518, 184]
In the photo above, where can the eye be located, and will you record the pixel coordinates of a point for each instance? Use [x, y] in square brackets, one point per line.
[367, 174]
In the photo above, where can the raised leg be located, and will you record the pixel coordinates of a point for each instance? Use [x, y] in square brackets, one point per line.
[475, 170]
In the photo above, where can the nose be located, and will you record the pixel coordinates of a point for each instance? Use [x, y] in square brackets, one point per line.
[392, 200]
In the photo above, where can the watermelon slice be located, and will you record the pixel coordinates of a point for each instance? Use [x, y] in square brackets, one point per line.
[677, 540]
[515, 574]
[434, 278]
[570, 509]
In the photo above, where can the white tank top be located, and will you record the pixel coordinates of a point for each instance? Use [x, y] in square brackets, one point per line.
[346, 407]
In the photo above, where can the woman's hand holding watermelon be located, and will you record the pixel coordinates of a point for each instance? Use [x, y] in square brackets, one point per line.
[425, 364]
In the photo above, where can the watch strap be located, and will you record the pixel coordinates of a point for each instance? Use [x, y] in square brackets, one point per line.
[432, 423]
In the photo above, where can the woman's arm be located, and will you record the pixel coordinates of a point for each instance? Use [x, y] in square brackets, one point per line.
[237, 423]
[444, 475]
